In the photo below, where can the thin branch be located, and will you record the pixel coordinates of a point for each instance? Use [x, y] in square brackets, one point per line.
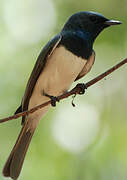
[75, 90]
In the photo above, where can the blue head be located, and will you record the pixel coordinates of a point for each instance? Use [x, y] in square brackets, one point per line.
[91, 23]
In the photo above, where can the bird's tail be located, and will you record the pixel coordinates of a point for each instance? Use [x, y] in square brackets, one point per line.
[15, 160]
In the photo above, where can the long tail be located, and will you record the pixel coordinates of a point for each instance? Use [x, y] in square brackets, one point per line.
[15, 160]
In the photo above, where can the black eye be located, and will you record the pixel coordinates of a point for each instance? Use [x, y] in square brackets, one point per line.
[94, 19]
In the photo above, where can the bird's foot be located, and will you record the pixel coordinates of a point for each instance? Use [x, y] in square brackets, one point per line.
[82, 87]
[54, 99]
[81, 90]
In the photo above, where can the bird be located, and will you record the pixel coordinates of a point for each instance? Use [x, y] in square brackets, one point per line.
[66, 58]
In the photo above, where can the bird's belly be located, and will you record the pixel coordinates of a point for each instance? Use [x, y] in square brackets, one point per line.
[60, 71]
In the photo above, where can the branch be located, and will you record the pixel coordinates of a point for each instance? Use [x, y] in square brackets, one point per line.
[75, 90]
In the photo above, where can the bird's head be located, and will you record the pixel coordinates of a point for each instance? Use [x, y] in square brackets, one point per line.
[90, 22]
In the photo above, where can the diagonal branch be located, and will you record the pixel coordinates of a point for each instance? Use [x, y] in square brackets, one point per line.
[75, 90]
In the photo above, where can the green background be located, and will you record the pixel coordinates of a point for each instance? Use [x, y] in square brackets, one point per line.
[94, 147]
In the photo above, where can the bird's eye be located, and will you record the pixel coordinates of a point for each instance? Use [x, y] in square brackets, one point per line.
[94, 19]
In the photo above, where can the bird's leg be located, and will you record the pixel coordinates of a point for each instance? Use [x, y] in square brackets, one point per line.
[54, 99]
[82, 87]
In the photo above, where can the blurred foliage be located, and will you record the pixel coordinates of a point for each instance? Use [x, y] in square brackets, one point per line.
[106, 156]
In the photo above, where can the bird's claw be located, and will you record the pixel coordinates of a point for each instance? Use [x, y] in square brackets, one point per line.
[54, 99]
[82, 88]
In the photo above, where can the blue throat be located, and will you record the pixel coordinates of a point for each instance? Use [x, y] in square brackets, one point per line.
[78, 42]
[87, 36]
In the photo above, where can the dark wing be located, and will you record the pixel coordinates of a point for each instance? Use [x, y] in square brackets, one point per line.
[38, 68]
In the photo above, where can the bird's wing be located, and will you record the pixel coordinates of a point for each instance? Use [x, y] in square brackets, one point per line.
[38, 68]
[87, 67]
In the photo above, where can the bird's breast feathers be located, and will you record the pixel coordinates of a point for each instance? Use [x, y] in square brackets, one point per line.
[61, 70]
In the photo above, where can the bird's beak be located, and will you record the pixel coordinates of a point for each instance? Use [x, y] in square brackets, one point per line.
[112, 22]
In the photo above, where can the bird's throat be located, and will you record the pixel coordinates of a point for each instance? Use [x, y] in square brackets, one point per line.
[79, 43]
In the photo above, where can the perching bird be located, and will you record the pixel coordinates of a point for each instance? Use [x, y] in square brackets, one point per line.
[66, 58]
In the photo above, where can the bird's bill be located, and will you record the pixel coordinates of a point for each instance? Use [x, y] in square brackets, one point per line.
[112, 22]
